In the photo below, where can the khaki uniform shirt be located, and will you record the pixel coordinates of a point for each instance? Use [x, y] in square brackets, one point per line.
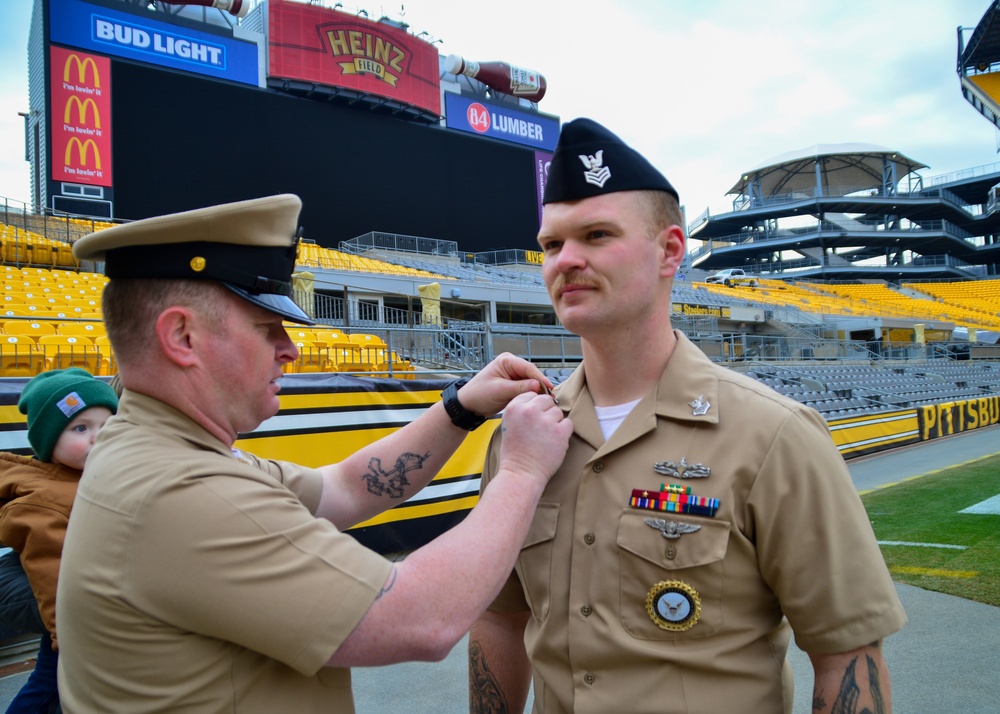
[196, 579]
[625, 618]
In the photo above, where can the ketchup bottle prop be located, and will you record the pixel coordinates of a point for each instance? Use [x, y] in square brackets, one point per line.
[500, 76]
[234, 7]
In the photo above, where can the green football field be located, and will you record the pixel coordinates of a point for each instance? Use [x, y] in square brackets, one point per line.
[927, 540]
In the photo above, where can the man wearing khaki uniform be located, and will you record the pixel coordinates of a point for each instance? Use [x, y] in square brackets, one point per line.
[698, 519]
[196, 578]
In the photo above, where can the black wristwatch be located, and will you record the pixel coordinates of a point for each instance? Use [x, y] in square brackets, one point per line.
[460, 416]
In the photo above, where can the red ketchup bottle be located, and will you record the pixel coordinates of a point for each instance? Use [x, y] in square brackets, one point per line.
[500, 76]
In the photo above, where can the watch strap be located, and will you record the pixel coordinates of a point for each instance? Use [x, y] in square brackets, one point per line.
[460, 416]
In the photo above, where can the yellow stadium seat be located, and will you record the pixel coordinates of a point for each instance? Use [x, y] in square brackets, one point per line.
[329, 337]
[396, 367]
[312, 357]
[89, 329]
[14, 310]
[348, 359]
[28, 329]
[373, 349]
[109, 366]
[62, 351]
[19, 357]
[300, 334]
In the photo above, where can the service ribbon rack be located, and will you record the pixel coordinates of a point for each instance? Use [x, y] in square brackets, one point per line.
[674, 499]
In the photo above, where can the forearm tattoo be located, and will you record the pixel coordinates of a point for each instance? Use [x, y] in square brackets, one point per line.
[847, 698]
[393, 482]
[485, 695]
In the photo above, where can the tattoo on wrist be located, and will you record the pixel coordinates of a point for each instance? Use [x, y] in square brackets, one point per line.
[392, 483]
[485, 695]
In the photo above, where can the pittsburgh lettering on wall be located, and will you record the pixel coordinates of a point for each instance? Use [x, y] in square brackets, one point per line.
[949, 418]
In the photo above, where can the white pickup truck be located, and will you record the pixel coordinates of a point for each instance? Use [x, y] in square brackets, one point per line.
[732, 276]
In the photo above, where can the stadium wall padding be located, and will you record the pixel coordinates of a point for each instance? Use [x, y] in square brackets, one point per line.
[325, 417]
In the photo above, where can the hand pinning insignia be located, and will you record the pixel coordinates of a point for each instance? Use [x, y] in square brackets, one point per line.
[682, 470]
[699, 405]
[671, 530]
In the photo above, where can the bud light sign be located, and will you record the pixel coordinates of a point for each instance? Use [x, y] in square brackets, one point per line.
[501, 122]
[141, 36]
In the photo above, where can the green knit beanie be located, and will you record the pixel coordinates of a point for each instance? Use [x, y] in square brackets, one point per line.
[53, 398]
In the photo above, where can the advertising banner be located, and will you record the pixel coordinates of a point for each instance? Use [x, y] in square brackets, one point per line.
[80, 117]
[948, 418]
[140, 37]
[500, 122]
[542, 161]
[338, 49]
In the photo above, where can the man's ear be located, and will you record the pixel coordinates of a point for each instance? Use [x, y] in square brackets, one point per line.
[672, 244]
[174, 333]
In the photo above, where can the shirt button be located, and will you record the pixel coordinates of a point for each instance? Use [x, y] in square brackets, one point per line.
[671, 552]
[588, 678]
[586, 610]
[589, 539]
[598, 467]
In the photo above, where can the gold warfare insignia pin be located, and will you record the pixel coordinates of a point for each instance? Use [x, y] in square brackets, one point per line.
[197, 264]
[673, 605]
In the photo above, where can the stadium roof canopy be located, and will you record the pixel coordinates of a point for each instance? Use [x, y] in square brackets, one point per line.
[983, 47]
[848, 167]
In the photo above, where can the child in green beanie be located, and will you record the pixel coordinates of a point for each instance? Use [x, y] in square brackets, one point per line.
[65, 409]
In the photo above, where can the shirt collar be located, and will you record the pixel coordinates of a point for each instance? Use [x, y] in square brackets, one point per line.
[688, 385]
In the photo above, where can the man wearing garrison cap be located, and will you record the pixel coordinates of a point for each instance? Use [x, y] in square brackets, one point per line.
[698, 519]
[199, 578]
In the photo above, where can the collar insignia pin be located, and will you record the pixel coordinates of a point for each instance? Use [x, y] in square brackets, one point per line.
[700, 406]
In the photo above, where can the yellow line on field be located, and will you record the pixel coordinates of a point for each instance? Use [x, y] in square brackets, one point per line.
[933, 572]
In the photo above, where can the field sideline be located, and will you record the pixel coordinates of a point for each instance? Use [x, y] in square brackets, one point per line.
[941, 531]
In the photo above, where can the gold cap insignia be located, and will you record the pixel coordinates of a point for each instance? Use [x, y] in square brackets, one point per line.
[197, 264]
[673, 605]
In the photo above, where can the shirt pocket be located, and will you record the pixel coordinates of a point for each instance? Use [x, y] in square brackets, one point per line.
[694, 559]
[534, 564]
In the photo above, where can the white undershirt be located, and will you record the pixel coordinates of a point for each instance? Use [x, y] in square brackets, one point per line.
[611, 418]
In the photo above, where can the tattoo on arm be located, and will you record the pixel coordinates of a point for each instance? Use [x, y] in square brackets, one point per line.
[875, 686]
[485, 695]
[389, 582]
[819, 703]
[847, 699]
[392, 483]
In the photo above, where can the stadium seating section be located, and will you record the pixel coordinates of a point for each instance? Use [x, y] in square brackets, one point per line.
[974, 304]
[50, 318]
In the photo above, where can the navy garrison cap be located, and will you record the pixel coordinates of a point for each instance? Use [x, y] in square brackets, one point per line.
[248, 246]
[591, 161]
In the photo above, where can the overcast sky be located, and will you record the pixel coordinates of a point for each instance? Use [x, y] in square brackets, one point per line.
[707, 90]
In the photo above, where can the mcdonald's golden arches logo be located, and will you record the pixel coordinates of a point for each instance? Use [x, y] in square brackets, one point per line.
[81, 69]
[82, 152]
[83, 109]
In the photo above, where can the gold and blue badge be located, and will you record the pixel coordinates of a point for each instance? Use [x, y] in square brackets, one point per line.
[673, 605]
